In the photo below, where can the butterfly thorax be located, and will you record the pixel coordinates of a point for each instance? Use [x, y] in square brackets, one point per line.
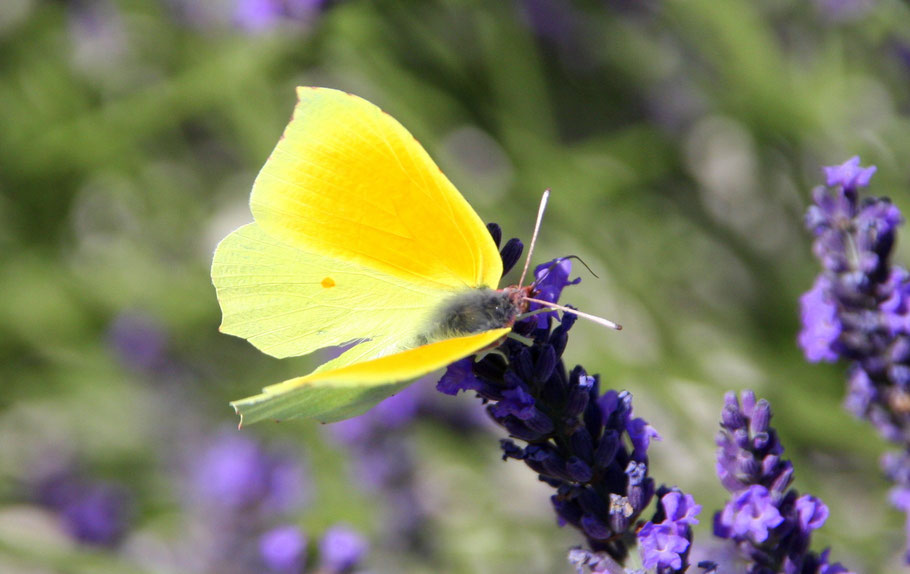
[475, 311]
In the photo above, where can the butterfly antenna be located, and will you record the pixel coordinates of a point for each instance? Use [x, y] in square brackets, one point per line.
[540, 210]
[595, 318]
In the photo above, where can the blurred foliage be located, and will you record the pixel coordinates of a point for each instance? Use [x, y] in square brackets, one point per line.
[681, 140]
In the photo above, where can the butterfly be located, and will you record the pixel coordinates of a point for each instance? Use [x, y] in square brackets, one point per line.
[358, 239]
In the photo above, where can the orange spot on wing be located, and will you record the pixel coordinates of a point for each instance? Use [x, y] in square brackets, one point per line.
[328, 282]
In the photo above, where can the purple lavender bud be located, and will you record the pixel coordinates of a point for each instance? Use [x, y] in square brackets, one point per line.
[518, 429]
[621, 511]
[760, 419]
[341, 549]
[641, 434]
[559, 338]
[496, 233]
[511, 450]
[812, 512]
[606, 449]
[636, 471]
[731, 417]
[540, 422]
[821, 324]
[511, 254]
[578, 470]
[639, 495]
[582, 444]
[516, 402]
[522, 365]
[545, 365]
[579, 396]
[849, 174]
[595, 527]
[283, 549]
[783, 476]
[568, 510]
[591, 502]
[535, 456]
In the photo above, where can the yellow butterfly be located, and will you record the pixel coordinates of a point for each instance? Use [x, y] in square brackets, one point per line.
[358, 238]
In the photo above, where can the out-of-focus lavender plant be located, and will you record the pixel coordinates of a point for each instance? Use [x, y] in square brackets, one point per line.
[240, 490]
[246, 493]
[283, 550]
[386, 466]
[770, 523]
[257, 16]
[588, 447]
[139, 342]
[93, 512]
[859, 310]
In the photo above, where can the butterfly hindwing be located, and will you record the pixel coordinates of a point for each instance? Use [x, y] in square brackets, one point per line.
[338, 393]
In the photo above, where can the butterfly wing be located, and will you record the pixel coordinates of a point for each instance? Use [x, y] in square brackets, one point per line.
[336, 392]
[348, 181]
[287, 301]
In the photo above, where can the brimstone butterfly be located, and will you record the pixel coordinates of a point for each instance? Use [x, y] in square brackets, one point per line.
[358, 238]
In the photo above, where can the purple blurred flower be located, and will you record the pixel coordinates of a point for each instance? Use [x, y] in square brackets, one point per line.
[98, 516]
[256, 16]
[384, 463]
[236, 473]
[139, 341]
[92, 512]
[843, 10]
[283, 549]
[341, 549]
[392, 413]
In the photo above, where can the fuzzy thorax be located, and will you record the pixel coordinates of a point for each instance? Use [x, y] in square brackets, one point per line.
[474, 311]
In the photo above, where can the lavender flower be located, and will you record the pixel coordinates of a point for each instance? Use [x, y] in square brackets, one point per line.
[385, 464]
[588, 447]
[770, 523]
[93, 512]
[236, 473]
[859, 309]
[341, 550]
[283, 549]
[139, 341]
[256, 16]
[665, 541]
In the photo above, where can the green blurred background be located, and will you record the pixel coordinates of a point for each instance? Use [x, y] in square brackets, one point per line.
[681, 140]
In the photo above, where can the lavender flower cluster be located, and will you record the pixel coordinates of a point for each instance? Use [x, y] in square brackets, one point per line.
[859, 310]
[770, 523]
[587, 446]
